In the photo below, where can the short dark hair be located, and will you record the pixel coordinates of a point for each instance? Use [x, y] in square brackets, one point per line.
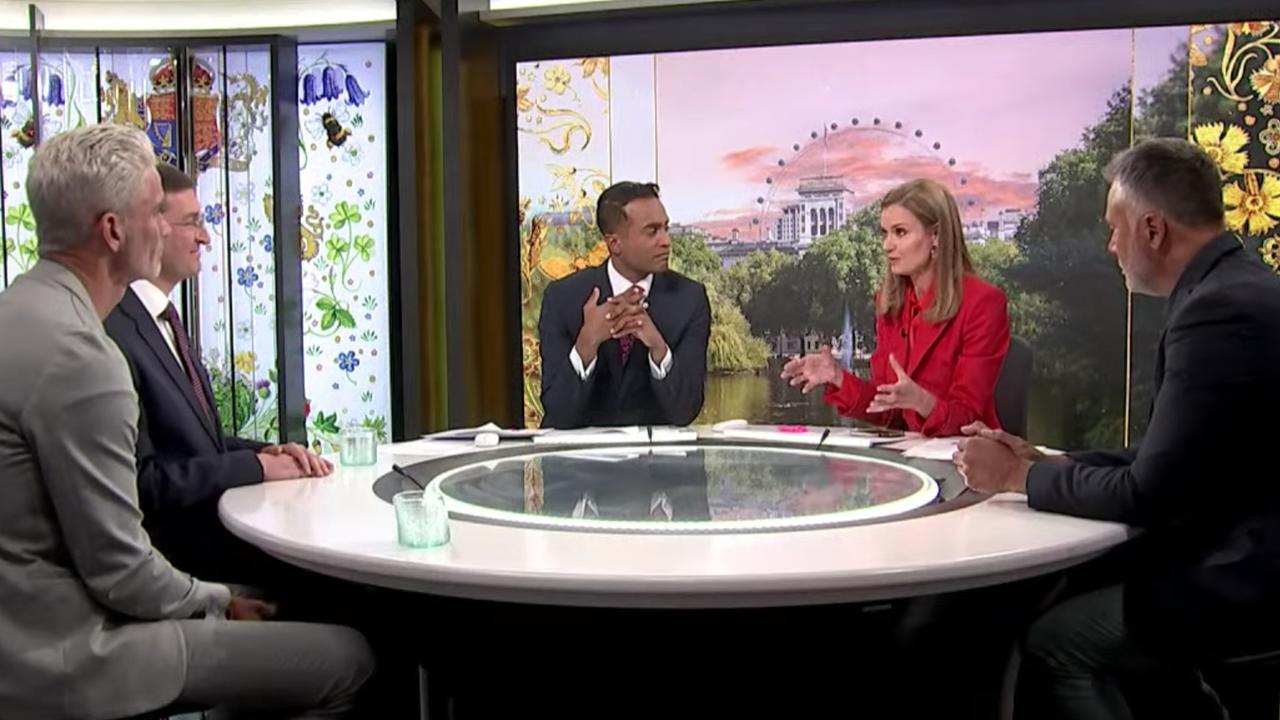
[172, 179]
[1172, 176]
[611, 208]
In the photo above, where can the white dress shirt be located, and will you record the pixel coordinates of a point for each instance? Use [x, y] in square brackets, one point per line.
[156, 302]
[620, 285]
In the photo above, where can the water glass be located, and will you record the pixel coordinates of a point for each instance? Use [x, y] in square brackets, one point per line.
[422, 521]
[358, 446]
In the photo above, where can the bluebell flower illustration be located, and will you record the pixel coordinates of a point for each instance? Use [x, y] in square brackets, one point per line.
[54, 95]
[329, 77]
[329, 82]
[267, 243]
[355, 94]
[213, 214]
[246, 277]
[24, 82]
[348, 361]
[309, 96]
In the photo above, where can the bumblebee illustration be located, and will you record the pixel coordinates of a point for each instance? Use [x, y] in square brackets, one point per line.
[26, 137]
[337, 134]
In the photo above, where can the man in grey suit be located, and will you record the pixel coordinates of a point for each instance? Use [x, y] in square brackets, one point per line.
[96, 623]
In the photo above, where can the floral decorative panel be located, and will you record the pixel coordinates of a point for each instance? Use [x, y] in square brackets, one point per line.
[236, 290]
[1235, 117]
[68, 99]
[213, 286]
[17, 144]
[69, 91]
[343, 156]
[565, 162]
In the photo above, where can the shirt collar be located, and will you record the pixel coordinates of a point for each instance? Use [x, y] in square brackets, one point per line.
[920, 302]
[620, 284]
[152, 297]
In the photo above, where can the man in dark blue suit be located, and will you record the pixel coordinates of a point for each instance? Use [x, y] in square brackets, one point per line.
[1207, 579]
[625, 342]
[185, 461]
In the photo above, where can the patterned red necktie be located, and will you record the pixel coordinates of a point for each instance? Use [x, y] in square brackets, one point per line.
[184, 351]
[625, 342]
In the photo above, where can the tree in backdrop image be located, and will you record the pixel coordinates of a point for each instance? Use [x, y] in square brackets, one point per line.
[1161, 110]
[1078, 332]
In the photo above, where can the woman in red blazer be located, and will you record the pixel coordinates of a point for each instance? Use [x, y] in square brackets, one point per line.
[941, 332]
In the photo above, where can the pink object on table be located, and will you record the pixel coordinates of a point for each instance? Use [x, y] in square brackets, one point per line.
[793, 429]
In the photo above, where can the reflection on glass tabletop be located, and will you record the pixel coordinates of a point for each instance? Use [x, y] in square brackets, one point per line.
[685, 488]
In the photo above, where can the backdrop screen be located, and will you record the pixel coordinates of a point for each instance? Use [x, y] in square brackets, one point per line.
[771, 162]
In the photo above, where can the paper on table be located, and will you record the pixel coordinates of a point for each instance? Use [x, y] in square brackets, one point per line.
[429, 448]
[471, 433]
[910, 441]
[935, 449]
[838, 437]
[616, 436]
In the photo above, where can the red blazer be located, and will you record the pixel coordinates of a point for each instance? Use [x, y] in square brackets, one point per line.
[958, 361]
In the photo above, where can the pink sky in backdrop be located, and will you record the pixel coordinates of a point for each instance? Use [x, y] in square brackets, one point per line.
[1001, 105]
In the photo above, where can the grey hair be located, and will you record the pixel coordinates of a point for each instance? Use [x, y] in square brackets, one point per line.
[77, 176]
[1171, 176]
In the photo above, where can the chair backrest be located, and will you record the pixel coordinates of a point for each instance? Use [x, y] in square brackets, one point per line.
[1013, 388]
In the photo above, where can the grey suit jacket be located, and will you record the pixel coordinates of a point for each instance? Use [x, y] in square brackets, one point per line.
[87, 606]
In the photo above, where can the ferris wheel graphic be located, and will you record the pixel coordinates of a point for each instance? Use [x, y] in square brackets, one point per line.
[804, 199]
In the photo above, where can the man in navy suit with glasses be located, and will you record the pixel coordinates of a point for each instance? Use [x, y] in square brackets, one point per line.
[185, 461]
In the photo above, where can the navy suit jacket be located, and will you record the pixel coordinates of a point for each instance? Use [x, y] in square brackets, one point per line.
[1200, 483]
[614, 395]
[184, 460]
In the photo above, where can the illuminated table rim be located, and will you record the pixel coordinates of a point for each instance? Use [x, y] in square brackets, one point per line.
[338, 527]
[919, 498]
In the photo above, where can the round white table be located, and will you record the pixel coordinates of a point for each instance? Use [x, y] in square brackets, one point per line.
[337, 526]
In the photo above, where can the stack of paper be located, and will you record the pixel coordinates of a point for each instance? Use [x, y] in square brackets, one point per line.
[936, 449]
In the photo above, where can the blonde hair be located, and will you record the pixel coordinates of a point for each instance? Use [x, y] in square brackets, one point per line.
[77, 176]
[935, 208]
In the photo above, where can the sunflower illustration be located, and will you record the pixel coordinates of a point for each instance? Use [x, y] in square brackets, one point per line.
[1266, 81]
[1256, 205]
[1225, 145]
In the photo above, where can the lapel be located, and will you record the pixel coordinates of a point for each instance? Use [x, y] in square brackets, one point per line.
[150, 334]
[926, 337]
[661, 309]
[927, 333]
[1158, 371]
